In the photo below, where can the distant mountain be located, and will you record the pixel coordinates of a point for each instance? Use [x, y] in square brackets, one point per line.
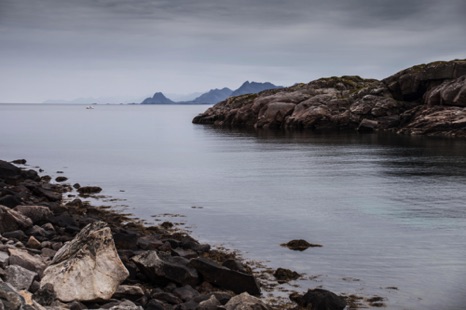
[253, 88]
[213, 96]
[158, 98]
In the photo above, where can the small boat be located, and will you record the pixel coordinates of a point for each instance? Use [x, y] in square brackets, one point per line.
[89, 107]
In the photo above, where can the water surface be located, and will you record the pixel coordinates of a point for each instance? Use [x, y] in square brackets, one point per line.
[389, 210]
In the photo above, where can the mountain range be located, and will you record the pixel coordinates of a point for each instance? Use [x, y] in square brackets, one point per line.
[214, 95]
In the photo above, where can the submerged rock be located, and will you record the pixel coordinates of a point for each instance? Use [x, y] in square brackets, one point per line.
[319, 299]
[299, 245]
[88, 267]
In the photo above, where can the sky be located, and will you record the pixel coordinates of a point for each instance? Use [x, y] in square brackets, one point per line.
[125, 50]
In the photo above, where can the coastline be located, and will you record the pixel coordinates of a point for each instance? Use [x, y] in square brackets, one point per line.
[44, 223]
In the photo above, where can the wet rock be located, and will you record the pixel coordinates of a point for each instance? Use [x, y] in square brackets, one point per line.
[9, 172]
[319, 299]
[166, 269]
[236, 265]
[38, 214]
[88, 267]
[61, 179]
[225, 278]
[89, 190]
[299, 245]
[245, 301]
[19, 161]
[285, 275]
[11, 220]
[19, 277]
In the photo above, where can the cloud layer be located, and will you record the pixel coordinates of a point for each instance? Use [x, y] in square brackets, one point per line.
[68, 49]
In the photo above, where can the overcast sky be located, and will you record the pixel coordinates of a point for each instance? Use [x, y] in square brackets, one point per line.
[65, 49]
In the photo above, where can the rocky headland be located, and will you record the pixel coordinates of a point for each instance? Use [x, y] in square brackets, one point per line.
[57, 251]
[427, 99]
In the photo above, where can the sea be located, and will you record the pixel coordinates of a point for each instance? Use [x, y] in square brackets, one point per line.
[388, 210]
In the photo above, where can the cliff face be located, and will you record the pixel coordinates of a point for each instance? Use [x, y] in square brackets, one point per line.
[426, 99]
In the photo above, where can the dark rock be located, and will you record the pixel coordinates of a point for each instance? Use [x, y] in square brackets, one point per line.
[126, 240]
[299, 245]
[38, 214]
[61, 179]
[319, 299]
[167, 297]
[9, 172]
[166, 269]
[284, 275]
[10, 299]
[236, 265]
[11, 220]
[75, 203]
[19, 161]
[16, 234]
[76, 185]
[155, 304]
[367, 125]
[186, 253]
[10, 201]
[131, 292]
[64, 220]
[89, 190]
[19, 277]
[149, 242]
[185, 292]
[225, 278]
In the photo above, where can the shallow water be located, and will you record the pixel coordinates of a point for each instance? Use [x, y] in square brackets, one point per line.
[389, 210]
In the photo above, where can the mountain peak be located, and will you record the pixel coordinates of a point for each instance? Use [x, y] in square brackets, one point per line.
[158, 98]
[253, 87]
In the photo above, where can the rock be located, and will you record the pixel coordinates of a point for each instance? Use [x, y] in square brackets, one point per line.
[61, 179]
[185, 292]
[9, 172]
[121, 305]
[4, 257]
[125, 240]
[285, 275]
[155, 304]
[167, 298]
[368, 125]
[11, 220]
[16, 234]
[131, 292]
[235, 265]
[24, 259]
[319, 299]
[10, 299]
[245, 301]
[225, 278]
[45, 295]
[89, 190]
[451, 92]
[10, 201]
[299, 245]
[88, 267]
[149, 242]
[33, 243]
[38, 214]
[161, 271]
[210, 304]
[19, 277]
[19, 161]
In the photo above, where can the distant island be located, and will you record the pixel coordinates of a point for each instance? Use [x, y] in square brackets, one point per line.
[214, 95]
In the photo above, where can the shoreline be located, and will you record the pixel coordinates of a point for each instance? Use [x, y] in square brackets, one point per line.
[54, 222]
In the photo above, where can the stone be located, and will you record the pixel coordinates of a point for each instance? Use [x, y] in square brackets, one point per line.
[149, 242]
[10, 201]
[166, 269]
[11, 220]
[210, 304]
[24, 259]
[225, 278]
[19, 277]
[244, 301]
[61, 179]
[285, 275]
[38, 214]
[299, 245]
[131, 292]
[33, 243]
[9, 297]
[19, 161]
[367, 125]
[88, 267]
[155, 304]
[319, 299]
[89, 190]
[16, 234]
[9, 171]
[185, 292]
[4, 257]
[45, 295]
[167, 298]
[125, 240]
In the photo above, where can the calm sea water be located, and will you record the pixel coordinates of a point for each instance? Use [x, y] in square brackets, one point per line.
[390, 211]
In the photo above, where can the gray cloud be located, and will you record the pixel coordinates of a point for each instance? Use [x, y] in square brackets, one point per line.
[69, 49]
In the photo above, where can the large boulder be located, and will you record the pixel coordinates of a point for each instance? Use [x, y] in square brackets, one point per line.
[9, 171]
[26, 260]
[162, 270]
[11, 220]
[225, 278]
[451, 92]
[19, 277]
[88, 267]
[38, 214]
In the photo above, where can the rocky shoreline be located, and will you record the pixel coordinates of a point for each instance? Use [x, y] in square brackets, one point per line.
[68, 254]
[427, 99]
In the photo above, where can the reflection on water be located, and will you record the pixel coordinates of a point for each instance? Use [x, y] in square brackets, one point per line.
[389, 210]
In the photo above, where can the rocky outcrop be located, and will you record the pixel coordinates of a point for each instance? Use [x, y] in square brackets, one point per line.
[319, 299]
[88, 267]
[401, 103]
